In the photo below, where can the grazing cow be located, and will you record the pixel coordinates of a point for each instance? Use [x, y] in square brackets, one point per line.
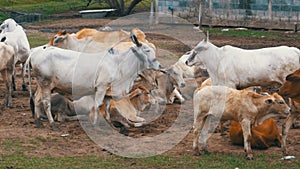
[240, 68]
[290, 89]
[213, 104]
[16, 37]
[69, 72]
[6, 70]
[262, 136]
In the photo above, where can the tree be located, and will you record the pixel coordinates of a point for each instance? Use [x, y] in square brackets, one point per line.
[118, 4]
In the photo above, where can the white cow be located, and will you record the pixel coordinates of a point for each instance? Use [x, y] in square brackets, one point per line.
[186, 71]
[6, 70]
[69, 72]
[214, 104]
[240, 68]
[16, 37]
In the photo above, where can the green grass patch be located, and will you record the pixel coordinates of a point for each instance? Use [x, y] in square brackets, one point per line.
[226, 161]
[37, 40]
[252, 33]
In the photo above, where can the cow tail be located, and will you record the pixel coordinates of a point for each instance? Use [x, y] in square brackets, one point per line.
[30, 87]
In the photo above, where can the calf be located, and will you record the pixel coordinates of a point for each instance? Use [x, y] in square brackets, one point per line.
[263, 136]
[6, 70]
[290, 89]
[213, 104]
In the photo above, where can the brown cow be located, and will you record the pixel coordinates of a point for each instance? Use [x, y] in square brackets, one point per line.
[213, 104]
[263, 136]
[291, 89]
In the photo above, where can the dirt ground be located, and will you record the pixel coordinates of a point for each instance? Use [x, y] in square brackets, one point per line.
[17, 128]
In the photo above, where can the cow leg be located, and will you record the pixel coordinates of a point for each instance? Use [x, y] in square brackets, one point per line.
[285, 129]
[246, 127]
[23, 79]
[197, 128]
[99, 96]
[208, 127]
[38, 108]
[46, 100]
[178, 95]
[13, 81]
[7, 77]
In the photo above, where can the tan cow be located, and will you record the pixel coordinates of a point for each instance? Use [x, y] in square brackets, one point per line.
[291, 89]
[124, 111]
[263, 136]
[213, 104]
[6, 69]
[91, 40]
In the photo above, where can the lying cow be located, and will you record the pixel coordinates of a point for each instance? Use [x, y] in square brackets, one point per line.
[290, 89]
[91, 40]
[262, 136]
[65, 110]
[213, 104]
[240, 68]
[56, 68]
[16, 37]
[6, 69]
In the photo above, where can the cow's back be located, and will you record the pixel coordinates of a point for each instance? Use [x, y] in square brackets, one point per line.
[263, 136]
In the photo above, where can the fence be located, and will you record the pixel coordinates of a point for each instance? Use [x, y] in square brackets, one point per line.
[273, 14]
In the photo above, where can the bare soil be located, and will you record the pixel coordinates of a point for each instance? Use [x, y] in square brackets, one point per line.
[18, 133]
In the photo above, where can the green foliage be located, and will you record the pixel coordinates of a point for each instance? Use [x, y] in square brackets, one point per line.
[251, 33]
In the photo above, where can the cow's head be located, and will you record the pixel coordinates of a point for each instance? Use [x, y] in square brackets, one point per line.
[59, 38]
[142, 98]
[204, 49]
[145, 53]
[177, 74]
[274, 106]
[8, 25]
[291, 87]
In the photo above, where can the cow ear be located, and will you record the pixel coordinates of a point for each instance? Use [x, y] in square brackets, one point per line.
[292, 77]
[135, 40]
[3, 39]
[269, 101]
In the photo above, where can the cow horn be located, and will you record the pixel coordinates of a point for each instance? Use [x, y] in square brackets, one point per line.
[135, 40]
[64, 32]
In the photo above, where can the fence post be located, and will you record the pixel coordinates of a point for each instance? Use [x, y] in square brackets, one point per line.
[269, 13]
[210, 13]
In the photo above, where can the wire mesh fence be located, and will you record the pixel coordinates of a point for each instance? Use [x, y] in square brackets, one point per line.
[277, 14]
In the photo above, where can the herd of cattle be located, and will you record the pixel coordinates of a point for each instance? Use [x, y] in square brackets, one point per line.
[115, 74]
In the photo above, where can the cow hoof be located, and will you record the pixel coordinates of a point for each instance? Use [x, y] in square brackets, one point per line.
[249, 157]
[9, 105]
[24, 87]
[197, 153]
[54, 127]
[38, 124]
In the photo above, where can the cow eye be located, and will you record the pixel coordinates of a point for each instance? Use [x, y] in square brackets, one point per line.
[187, 53]
[280, 102]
